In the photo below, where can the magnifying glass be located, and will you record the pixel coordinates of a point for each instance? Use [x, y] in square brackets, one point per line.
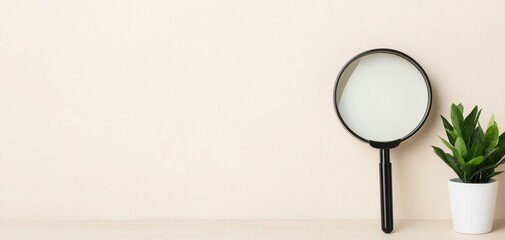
[383, 97]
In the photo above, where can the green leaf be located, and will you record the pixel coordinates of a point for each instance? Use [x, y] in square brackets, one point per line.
[494, 174]
[453, 135]
[478, 137]
[491, 121]
[451, 162]
[469, 168]
[457, 118]
[499, 152]
[449, 130]
[491, 136]
[475, 161]
[471, 118]
[487, 177]
[470, 124]
[461, 147]
[461, 108]
[475, 150]
[500, 162]
[482, 170]
[455, 151]
[447, 144]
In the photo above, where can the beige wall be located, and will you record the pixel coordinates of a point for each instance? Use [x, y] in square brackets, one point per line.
[222, 109]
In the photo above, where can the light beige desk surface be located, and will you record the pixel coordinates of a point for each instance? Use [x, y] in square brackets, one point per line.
[234, 229]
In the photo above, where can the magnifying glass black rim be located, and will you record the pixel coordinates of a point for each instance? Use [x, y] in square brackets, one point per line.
[393, 143]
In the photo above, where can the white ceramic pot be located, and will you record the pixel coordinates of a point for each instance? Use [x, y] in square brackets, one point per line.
[472, 206]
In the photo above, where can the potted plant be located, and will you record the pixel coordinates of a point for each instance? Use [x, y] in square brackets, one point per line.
[474, 156]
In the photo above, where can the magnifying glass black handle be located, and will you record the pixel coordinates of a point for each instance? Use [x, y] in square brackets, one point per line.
[386, 192]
